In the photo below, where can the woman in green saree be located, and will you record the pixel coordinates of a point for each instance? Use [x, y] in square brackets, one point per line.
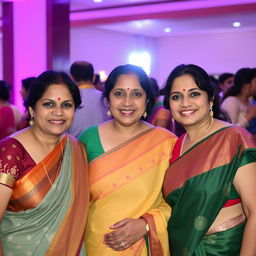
[43, 176]
[211, 181]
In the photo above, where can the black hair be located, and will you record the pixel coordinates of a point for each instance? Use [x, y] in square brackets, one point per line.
[243, 76]
[224, 76]
[202, 80]
[129, 69]
[47, 78]
[4, 90]
[82, 71]
[26, 83]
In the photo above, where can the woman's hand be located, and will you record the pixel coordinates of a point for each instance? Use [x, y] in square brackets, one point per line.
[126, 233]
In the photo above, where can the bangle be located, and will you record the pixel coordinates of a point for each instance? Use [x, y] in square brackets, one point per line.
[147, 228]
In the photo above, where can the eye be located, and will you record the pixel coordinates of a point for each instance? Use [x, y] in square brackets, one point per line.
[48, 104]
[67, 105]
[118, 93]
[137, 94]
[195, 94]
[175, 97]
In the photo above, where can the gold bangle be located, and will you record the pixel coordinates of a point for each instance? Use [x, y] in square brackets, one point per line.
[147, 228]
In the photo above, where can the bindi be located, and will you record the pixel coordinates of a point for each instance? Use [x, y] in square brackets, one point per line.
[59, 99]
[128, 88]
[183, 90]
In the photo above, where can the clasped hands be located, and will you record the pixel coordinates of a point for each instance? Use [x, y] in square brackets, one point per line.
[125, 233]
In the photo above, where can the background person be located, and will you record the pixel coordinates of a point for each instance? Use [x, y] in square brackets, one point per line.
[43, 176]
[127, 162]
[9, 114]
[212, 175]
[92, 111]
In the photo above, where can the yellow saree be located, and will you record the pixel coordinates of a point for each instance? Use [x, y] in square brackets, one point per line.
[126, 182]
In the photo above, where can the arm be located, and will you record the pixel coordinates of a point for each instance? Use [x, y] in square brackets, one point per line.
[245, 183]
[5, 193]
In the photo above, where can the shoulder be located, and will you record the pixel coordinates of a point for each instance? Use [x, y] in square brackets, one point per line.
[89, 132]
[11, 155]
[239, 135]
[230, 100]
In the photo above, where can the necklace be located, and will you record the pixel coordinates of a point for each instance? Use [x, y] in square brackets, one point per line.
[185, 137]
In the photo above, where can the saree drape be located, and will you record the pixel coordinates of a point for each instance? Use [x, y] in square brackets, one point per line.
[56, 223]
[198, 184]
[126, 182]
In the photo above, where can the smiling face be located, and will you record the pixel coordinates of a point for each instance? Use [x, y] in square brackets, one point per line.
[127, 100]
[54, 112]
[188, 103]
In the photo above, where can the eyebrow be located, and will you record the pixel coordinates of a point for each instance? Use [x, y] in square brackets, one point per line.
[56, 100]
[190, 90]
[123, 89]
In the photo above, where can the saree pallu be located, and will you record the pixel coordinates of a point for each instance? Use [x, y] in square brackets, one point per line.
[198, 184]
[56, 225]
[126, 182]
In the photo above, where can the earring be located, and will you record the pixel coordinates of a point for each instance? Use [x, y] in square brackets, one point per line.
[211, 112]
[109, 113]
[32, 121]
[145, 115]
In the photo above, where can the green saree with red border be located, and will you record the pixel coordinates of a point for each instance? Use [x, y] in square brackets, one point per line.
[198, 184]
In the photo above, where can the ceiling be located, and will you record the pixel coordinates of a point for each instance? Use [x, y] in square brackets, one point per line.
[151, 17]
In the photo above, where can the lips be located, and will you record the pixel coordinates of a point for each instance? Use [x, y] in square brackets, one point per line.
[127, 111]
[188, 112]
[57, 122]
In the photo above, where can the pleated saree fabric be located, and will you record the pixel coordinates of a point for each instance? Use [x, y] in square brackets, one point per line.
[126, 182]
[45, 219]
[198, 184]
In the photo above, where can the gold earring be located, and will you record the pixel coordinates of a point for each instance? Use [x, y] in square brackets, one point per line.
[145, 115]
[31, 121]
[211, 112]
[109, 113]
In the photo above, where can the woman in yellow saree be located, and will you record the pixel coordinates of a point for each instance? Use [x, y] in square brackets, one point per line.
[43, 176]
[127, 162]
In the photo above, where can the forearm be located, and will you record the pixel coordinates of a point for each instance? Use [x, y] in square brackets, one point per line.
[248, 245]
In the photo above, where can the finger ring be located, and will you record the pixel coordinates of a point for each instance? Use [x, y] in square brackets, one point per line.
[123, 243]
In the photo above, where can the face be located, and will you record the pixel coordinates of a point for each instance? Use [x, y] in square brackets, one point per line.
[24, 93]
[127, 100]
[54, 112]
[253, 87]
[227, 84]
[188, 103]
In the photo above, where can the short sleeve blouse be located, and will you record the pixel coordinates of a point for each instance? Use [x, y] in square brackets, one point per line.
[14, 159]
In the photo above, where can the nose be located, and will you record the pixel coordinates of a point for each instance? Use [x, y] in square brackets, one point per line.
[127, 100]
[58, 111]
[185, 102]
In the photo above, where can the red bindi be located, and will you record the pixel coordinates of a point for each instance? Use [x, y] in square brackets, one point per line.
[128, 88]
[183, 90]
[58, 98]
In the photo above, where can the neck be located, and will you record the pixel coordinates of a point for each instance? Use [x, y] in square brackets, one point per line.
[47, 142]
[128, 131]
[84, 82]
[195, 133]
[243, 98]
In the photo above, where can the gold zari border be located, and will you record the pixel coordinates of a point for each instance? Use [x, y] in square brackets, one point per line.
[7, 179]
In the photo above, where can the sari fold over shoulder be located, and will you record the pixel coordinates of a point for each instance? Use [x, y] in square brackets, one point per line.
[197, 185]
[126, 183]
[56, 223]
